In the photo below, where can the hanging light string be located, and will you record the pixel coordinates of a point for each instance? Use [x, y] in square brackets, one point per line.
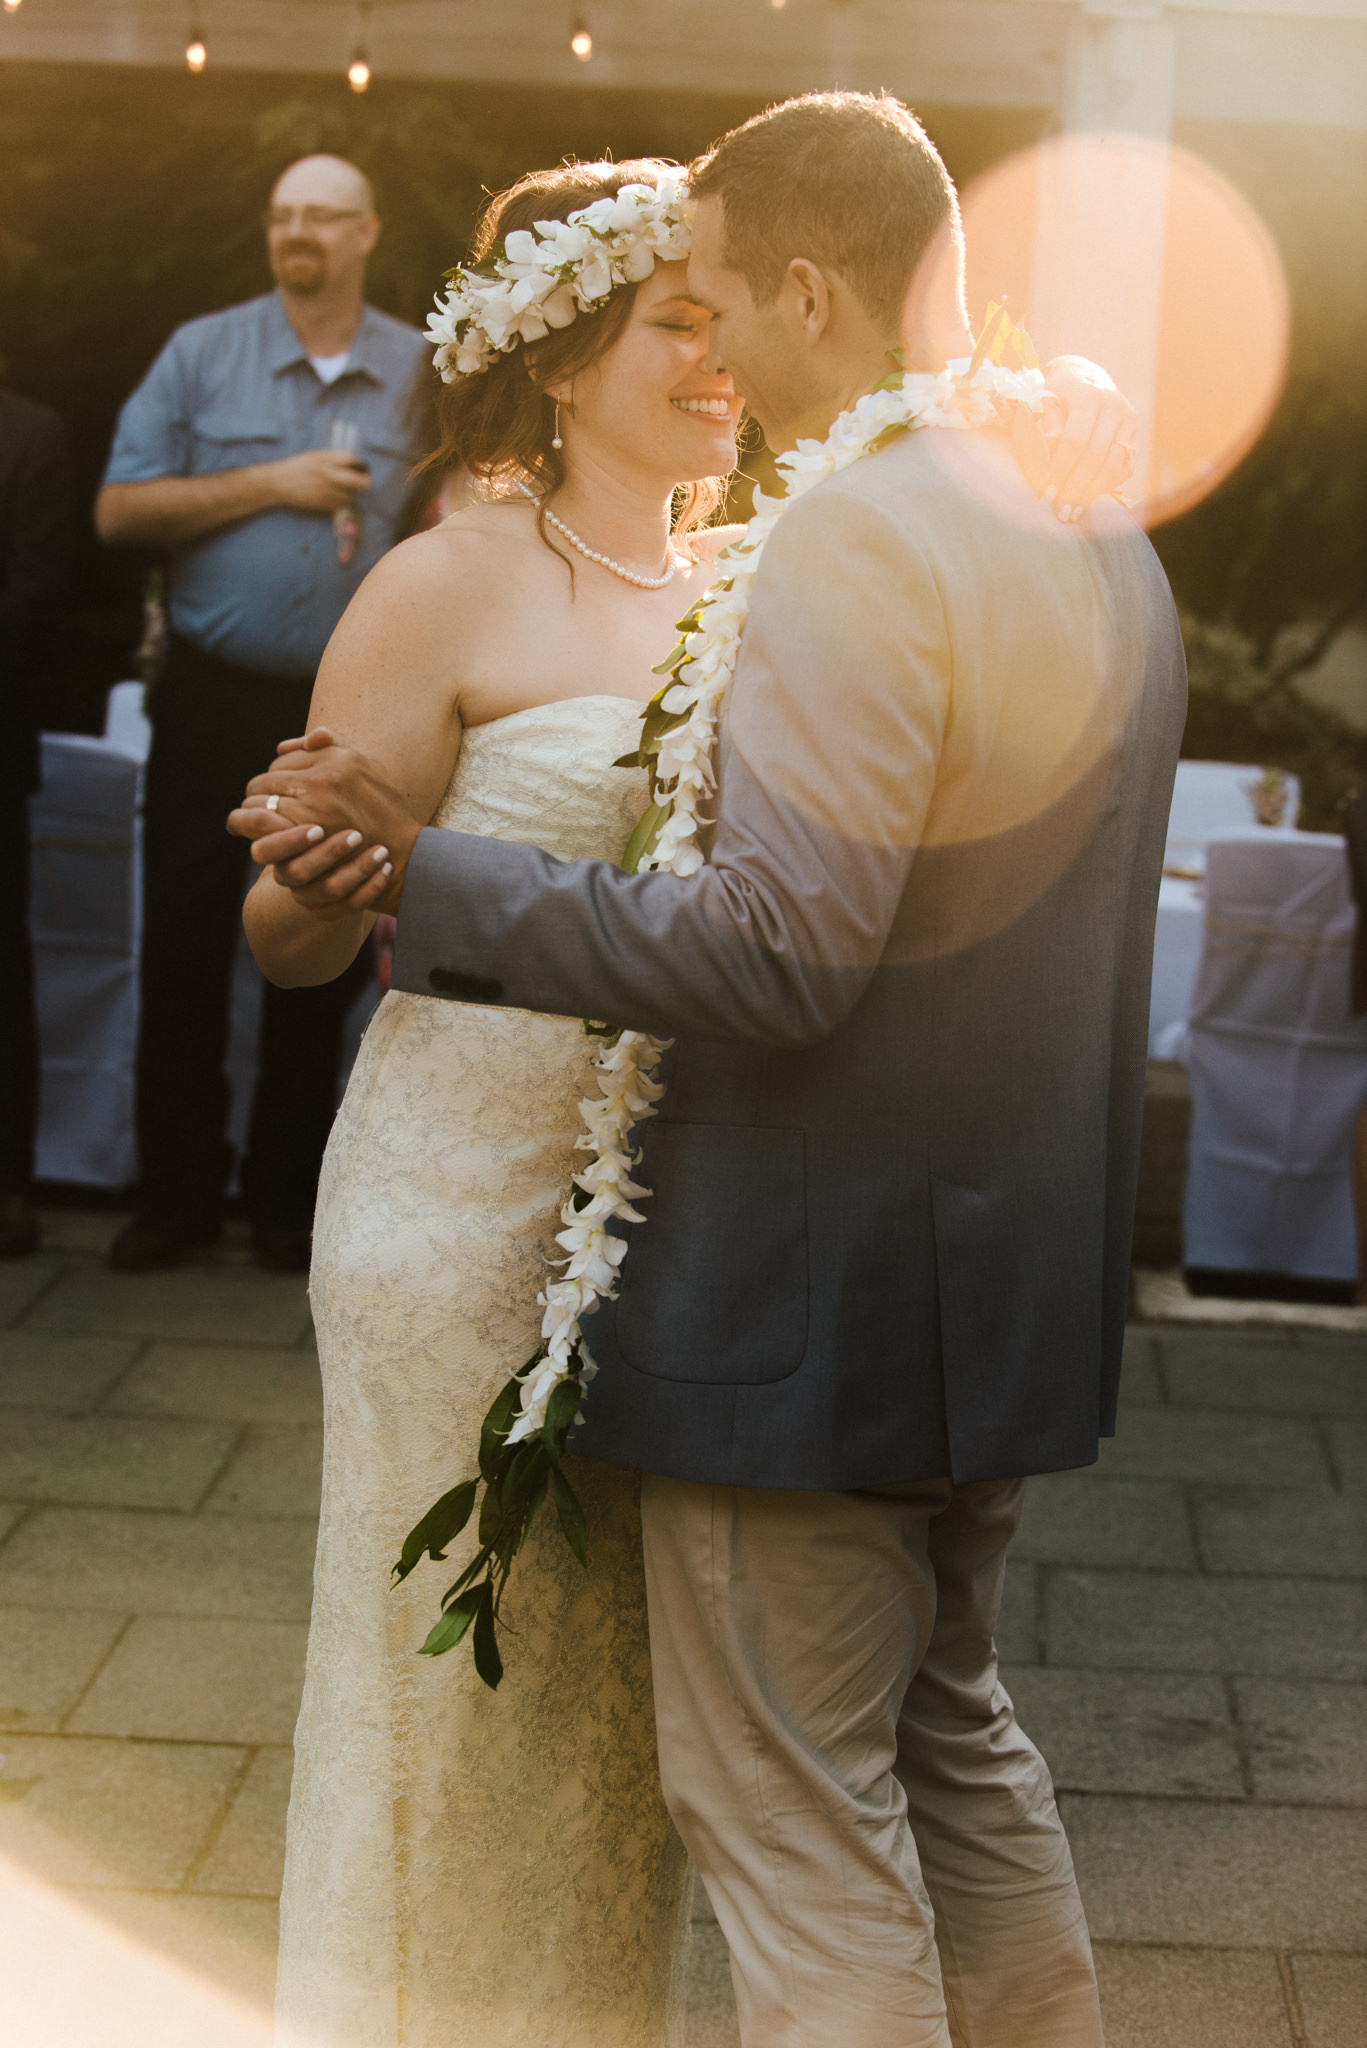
[358, 70]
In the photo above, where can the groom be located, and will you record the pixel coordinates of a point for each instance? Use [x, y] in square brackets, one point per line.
[883, 1276]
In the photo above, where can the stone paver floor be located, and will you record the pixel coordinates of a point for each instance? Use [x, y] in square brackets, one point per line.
[1185, 1634]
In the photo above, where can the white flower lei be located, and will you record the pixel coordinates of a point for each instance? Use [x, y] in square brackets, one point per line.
[545, 280]
[525, 1433]
[680, 751]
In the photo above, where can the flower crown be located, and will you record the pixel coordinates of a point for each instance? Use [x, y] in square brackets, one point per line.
[567, 267]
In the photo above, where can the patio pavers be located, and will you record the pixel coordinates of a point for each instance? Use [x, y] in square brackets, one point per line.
[1185, 1631]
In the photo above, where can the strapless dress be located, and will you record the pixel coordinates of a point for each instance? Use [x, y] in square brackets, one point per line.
[467, 1869]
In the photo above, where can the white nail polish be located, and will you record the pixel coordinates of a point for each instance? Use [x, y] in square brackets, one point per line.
[388, 868]
[354, 839]
[380, 853]
[314, 834]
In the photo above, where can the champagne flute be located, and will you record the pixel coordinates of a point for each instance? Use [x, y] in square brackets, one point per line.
[347, 527]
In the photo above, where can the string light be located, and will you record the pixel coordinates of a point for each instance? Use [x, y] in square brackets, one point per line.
[581, 42]
[196, 53]
[358, 70]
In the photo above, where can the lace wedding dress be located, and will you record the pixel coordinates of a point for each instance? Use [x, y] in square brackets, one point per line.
[467, 1869]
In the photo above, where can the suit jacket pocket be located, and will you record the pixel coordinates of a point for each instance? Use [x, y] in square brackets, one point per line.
[714, 1287]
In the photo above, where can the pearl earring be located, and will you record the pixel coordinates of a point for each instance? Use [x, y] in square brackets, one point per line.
[556, 441]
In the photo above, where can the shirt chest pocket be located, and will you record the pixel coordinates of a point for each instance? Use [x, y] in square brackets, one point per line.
[233, 440]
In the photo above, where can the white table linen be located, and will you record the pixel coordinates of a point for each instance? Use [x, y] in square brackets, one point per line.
[1277, 1065]
[1176, 957]
[1208, 797]
[1217, 796]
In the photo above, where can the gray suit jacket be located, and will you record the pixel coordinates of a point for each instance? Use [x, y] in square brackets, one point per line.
[895, 1168]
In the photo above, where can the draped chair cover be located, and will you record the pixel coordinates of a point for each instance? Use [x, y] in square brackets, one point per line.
[1277, 1064]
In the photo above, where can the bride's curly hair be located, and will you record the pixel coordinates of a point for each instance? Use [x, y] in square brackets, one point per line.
[499, 425]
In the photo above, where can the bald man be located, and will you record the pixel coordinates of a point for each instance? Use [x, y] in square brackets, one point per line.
[266, 452]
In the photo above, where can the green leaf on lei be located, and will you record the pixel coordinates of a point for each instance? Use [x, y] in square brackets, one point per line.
[488, 1663]
[571, 1515]
[647, 830]
[439, 1527]
[447, 1632]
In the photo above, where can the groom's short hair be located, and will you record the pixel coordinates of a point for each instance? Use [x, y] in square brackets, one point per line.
[849, 180]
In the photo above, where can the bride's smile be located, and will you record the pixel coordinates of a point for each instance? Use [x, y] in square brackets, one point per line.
[649, 404]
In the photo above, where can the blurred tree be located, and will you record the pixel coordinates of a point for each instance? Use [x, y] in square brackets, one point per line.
[1279, 552]
[1238, 712]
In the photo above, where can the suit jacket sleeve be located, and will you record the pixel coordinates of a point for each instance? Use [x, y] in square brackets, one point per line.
[35, 543]
[831, 737]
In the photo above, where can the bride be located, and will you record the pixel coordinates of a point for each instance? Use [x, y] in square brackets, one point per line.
[467, 1869]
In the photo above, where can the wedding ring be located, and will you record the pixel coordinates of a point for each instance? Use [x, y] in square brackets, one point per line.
[272, 803]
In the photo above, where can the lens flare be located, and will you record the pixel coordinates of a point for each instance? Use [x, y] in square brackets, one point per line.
[86, 1969]
[1145, 258]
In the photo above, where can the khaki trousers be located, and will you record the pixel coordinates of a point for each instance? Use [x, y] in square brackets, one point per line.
[878, 1838]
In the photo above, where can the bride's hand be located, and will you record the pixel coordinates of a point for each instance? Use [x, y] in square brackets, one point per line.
[1093, 432]
[335, 831]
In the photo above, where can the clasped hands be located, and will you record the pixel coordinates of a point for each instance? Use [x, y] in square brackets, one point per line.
[338, 835]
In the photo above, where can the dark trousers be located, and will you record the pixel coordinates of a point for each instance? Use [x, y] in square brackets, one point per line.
[214, 727]
[18, 1027]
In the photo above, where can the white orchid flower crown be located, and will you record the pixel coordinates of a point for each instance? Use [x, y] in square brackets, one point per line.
[545, 280]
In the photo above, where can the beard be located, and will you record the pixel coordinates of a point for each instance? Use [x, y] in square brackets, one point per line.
[302, 266]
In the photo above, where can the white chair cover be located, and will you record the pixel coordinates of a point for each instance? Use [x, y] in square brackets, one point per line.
[85, 916]
[1278, 1067]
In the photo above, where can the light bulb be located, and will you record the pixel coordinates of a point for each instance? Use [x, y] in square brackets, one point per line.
[778, 3]
[358, 72]
[581, 42]
[196, 55]
[13, 6]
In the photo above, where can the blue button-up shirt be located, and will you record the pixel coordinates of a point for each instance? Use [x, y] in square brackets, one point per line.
[237, 388]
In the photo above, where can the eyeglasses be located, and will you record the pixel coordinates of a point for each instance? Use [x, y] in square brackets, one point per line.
[308, 216]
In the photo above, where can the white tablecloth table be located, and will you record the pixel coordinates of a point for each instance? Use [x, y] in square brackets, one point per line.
[1176, 958]
[1277, 1065]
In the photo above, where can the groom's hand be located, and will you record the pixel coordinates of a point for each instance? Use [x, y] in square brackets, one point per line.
[1093, 435]
[338, 834]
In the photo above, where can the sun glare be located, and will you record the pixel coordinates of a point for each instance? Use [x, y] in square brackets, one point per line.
[1142, 256]
[75, 1976]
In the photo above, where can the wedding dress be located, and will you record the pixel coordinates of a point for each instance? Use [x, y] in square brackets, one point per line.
[469, 1869]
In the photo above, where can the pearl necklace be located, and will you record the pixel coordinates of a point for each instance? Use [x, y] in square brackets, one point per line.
[605, 561]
